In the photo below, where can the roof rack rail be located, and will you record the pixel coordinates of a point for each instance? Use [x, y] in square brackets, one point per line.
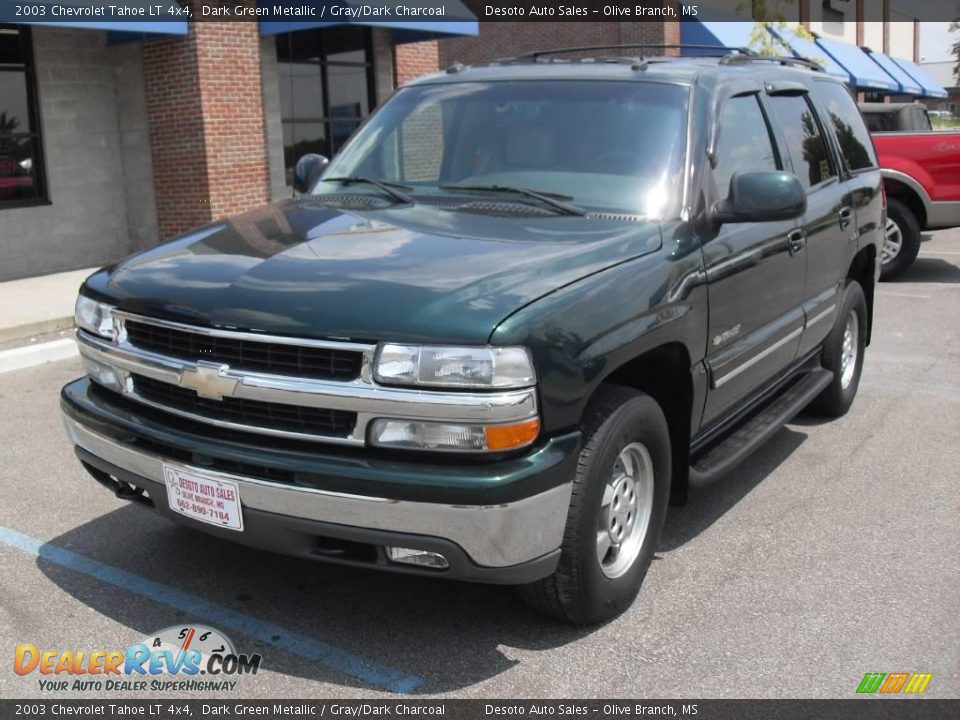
[536, 55]
[781, 59]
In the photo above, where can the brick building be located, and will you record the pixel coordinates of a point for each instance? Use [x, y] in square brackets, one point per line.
[111, 142]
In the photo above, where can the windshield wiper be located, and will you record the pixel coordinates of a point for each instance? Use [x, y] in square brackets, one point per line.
[554, 200]
[390, 188]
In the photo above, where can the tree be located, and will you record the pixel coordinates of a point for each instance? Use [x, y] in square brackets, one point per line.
[769, 15]
[954, 26]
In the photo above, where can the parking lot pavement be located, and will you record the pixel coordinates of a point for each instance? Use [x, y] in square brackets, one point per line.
[832, 552]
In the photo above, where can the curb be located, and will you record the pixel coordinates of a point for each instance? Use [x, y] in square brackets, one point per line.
[28, 330]
[19, 358]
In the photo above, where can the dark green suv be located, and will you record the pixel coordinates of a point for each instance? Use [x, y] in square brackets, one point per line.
[526, 306]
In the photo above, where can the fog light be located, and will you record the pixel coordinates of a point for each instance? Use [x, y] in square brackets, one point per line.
[424, 558]
[103, 374]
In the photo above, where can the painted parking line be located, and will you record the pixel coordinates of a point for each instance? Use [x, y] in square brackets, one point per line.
[29, 355]
[334, 658]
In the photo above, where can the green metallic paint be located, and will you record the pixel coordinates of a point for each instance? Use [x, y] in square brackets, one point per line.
[399, 476]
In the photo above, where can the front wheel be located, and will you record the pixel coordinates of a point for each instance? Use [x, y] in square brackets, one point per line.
[617, 510]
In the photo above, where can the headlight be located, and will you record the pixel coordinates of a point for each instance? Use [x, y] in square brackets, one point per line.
[94, 316]
[457, 367]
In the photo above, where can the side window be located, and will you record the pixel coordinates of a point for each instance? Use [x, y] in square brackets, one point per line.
[743, 141]
[847, 125]
[808, 151]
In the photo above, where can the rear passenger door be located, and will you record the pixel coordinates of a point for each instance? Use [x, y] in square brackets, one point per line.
[860, 183]
[755, 281]
[829, 221]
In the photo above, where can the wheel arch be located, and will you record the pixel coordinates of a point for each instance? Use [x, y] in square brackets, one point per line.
[863, 270]
[905, 190]
[663, 373]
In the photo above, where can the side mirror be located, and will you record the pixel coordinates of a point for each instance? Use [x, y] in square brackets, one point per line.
[307, 170]
[761, 197]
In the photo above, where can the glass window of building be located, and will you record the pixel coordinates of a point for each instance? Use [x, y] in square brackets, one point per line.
[326, 89]
[21, 159]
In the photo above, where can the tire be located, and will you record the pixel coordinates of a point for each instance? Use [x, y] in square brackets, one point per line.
[838, 396]
[625, 429]
[898, 256]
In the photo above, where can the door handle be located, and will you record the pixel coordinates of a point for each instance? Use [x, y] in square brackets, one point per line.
[846, 217]
[796, 240]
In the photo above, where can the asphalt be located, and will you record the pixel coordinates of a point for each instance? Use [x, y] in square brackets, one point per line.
[832, 552]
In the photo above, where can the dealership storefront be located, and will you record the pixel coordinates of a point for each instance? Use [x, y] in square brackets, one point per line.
[112, 141]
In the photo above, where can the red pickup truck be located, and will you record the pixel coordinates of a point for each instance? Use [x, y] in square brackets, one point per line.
[921, 176]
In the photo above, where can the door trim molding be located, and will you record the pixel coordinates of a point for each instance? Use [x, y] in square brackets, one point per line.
[746, 365]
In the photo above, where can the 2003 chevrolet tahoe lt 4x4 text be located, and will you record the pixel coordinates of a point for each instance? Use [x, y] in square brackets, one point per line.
[525, 306]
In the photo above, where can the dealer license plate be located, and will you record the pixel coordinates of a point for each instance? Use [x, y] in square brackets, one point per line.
[204, 497]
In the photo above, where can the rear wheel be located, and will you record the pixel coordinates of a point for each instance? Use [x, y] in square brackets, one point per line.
[617, 510]
[843, 353]
[901, 241]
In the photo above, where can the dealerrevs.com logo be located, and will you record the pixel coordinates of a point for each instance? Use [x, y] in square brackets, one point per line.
[179, 658]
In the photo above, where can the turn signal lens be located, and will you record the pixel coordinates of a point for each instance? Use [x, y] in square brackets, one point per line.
[103, 374]
[453, 436]
[508, 437]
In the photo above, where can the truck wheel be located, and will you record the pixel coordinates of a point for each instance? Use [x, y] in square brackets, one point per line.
[901, 240]
[617, 510]
[843, 354]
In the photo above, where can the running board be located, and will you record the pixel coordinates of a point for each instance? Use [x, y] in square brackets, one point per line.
[731, 451]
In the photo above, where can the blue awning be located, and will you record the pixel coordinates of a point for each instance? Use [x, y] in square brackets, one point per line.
[702, 32]
[158, 17]
[809, 50]
[931, 88]
[866, 74]
[908, 85]
[456, 20]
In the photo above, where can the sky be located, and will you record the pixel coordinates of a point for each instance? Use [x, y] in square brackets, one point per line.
[935, 41]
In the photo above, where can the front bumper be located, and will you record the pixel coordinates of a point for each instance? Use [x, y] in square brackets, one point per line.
[499, 521]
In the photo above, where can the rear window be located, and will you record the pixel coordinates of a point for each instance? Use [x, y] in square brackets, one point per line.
[843, 118]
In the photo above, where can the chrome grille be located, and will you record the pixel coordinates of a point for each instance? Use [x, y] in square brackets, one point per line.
[251, 413]
[243, 354]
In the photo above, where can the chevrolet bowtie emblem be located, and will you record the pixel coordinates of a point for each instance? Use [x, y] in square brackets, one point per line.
[208, 380]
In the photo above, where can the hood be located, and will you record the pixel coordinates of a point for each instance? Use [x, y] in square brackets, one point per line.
[420, 274]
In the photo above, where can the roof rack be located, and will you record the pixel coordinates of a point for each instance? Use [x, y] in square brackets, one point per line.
[536, 55]
[780, 59]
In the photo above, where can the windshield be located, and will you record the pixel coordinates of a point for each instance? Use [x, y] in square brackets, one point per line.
[614, 146]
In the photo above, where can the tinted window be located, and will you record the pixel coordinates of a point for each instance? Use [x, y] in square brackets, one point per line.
[20, 163]
[808, 151]
[743, 142]
[610, 145]
[844, 119]
[880, 122]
